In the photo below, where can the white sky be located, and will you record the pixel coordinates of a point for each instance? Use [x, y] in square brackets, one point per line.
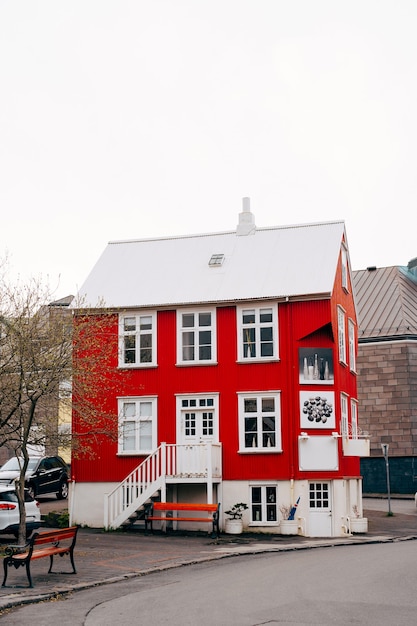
[124, 119]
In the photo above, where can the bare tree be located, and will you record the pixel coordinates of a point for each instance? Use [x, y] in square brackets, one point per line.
[37, 374]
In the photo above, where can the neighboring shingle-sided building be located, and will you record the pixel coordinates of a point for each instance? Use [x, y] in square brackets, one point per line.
[386, 301]
[237, 354]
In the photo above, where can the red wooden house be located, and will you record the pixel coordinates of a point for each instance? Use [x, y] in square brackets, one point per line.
[239, 350]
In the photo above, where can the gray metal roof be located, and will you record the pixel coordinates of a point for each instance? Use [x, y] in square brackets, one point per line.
[386, 302]
[294, 261]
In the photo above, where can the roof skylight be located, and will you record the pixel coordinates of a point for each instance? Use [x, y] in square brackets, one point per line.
[216, 260]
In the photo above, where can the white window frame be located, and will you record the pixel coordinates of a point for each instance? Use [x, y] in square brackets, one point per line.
[255, 338]
[259, 415]
[344, 265]
[344, 418]
[352, 344]
[138, 419]
[138, 334]
[197, 403]
[341, 334]
[259, 511]
[354, 418]
[196, 329]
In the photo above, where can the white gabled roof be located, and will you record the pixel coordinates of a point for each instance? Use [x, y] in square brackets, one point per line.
[294, 261]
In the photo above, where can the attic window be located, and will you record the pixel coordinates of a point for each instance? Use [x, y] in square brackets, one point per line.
[216, 260]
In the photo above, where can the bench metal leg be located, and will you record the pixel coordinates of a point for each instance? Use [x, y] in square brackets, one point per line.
[5, 566]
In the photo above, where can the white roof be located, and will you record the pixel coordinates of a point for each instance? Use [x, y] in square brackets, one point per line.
[294, 261]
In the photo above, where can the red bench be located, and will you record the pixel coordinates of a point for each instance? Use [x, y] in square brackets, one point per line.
[157, 511]
[41, 545]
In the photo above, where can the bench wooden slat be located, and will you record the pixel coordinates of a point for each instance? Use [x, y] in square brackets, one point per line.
[183, 506]
[53, 538]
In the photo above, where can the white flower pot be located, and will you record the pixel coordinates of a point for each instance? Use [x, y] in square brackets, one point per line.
[233, 526]
[359, 524]
[288, 527]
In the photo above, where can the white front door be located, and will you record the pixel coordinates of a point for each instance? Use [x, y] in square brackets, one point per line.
[320, 510]
[197, 424]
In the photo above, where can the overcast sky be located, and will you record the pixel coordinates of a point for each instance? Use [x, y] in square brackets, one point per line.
[125, 119]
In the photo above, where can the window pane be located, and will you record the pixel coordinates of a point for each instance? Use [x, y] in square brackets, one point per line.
[248, 317]
[256, 494]
[128, 430]
[249, 346]
[145, 409]
[268, 405]
[271, 494]
[146, 322]
[129, 324]
[204, 351]
[188, 320]
[250, 405]
[265, 315]
[271, 512]
[129, 409]
[145, 436]
[145, 348]
[204, 319]
[188, 346]
[130, 349]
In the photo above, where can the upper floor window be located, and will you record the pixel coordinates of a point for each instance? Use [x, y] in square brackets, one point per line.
[344, 423]
[354, 418]
[196, 336]
[137, 340]
[341, 333]
[344, 268]
[352, 345]
[259, 422]
[257, 333]
[137, 425]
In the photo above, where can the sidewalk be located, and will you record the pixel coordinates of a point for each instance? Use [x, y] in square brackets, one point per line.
[104, 558]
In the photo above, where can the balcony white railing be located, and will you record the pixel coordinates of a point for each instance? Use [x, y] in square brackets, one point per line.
[168, 462]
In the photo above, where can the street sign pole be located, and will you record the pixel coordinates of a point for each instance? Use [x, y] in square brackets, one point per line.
[385, 447]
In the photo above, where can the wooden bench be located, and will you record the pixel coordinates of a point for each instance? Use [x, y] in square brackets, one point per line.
[41, 545]
[157, 511]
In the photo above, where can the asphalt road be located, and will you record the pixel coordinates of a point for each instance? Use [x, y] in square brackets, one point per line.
[358, 584]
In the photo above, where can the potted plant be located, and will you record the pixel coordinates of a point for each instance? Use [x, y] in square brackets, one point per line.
[234, 523]
[288, 525]
[358, 524]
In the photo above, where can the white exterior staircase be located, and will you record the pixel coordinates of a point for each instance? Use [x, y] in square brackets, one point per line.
[170, 463]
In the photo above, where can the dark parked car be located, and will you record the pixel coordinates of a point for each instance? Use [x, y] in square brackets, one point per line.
[45, 474]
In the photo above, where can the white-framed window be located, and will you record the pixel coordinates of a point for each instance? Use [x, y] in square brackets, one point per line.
[263, 504]
[344, 424]
[257, 333]
[197, 418]
[354, 418]
[196, 336]
[341, 334]
[344, 268]
[137, 425]
[259, 421]
[352, 344]
[137, 339]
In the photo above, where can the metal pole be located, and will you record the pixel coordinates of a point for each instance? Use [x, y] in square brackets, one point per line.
[385, 448]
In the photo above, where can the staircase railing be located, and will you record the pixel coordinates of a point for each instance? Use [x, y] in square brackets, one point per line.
[134, 490]
[168, 461]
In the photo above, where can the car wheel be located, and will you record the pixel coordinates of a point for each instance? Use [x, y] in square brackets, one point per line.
[63, 491]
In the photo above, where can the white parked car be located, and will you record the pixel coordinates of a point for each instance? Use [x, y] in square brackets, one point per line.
[9, 512]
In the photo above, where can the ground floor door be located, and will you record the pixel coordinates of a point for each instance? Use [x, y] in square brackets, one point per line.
[320, 509]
